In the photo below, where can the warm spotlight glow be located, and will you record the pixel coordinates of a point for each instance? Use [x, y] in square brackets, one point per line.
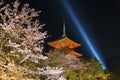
[83, 33]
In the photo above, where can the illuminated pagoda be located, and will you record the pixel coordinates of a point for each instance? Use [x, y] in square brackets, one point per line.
[64, 45]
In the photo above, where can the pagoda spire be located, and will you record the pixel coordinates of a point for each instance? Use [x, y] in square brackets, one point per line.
[64, 30]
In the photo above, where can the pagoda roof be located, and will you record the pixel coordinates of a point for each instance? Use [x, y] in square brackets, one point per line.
[64, 41]
[73, 53]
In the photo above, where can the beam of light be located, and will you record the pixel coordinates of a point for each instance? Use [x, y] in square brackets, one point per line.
[83, 33]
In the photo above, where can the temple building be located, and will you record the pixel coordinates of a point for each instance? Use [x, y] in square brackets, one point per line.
[64, 45]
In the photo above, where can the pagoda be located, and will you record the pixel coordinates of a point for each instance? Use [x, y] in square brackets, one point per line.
[64, 45]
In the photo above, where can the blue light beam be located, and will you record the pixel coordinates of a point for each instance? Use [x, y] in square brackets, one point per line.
[83, 33]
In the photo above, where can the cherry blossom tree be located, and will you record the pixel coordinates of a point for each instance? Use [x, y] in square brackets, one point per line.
[21, 39]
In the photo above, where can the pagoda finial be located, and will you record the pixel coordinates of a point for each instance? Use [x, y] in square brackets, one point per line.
[64, 30]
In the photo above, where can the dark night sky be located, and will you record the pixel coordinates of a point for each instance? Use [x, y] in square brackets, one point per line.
[100, 18]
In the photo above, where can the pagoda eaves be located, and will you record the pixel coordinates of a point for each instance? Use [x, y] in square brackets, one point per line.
[64, 42]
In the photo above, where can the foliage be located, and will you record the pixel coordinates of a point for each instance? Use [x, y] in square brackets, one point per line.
[93, 71]
[71, 75]
[69, 63]
[78, 69]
